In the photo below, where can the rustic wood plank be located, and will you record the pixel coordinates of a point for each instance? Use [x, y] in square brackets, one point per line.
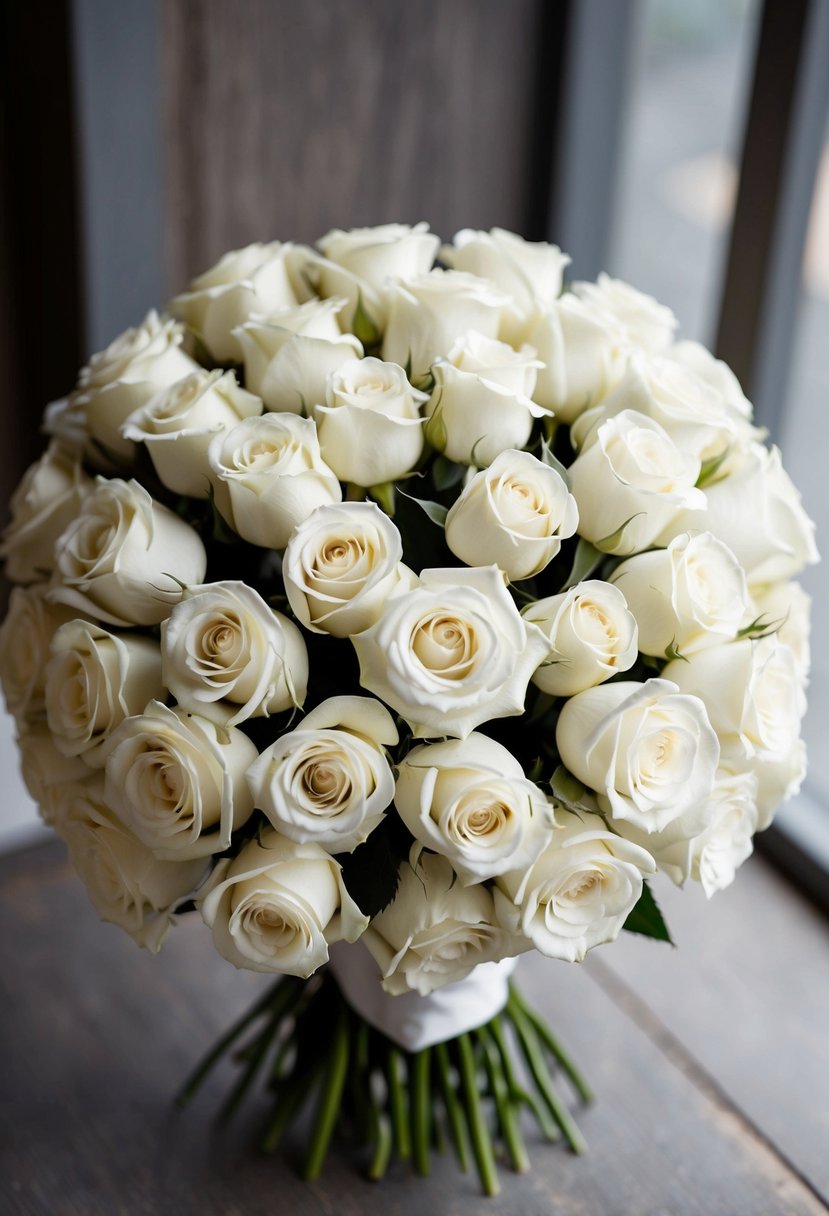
[284, 120]
[747, 995]
[99, 1034]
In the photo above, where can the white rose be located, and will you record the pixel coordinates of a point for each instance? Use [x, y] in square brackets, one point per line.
[94, 681]
[591, 636]
[435, 930]
[690, 595]
[177, 425]
[290, 354]
[121, 558]
[278, 905]
[452, 653]
[690, 411]
[530, 272]
[472, 419]
[644, 321]
[45, 771]
[329, 781]
[469, 801]
[496, 362]
[515, 513]
[577, 893]
[47, 499]
[786, 608]
[584, 356]
[714, 372]
[648, 750]
[757, 512]
[126, 883]
[341, 565]
[429, 312]
[227, 656]
[269, 476]
[246, 281]
[120, 379]
[178, 781]
[778, 779]
[359, 264]
[632, 483]
[25, 637]
[370, 428]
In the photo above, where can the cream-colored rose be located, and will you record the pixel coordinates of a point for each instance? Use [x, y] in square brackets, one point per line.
[755, 510]
[689, 410]
[122, 378]
[178, 782]
[473, 419]
[591, 635]
[269, 476]
[435, 930]
[370, 428]
[429, 312]
[643, 320]
[359, 264]
[25, 637]
[778, 779]
[329, 782]
[497, 362]
[227, 656]
[126, 883]
[452, 653]
[691, 595]
[278, 905]
[648, 750]
[530, 272]
[469, 801]
[177, 425]
[45, 771]
[584, 356]
[514, 513]
[123, 559]
[577, 893]
[633, 483]
[290, 354]
[341, 565]
[94, 681]
[786, 608]
[246, 281]
[45, 502]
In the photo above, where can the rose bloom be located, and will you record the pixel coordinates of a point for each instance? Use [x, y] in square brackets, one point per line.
[123, 558]
[583, 354]
[329, 782]
[45, 502]
[178, 781]
[452, 653]
[227, 656]
[645, 322]
[648, 750]
[25, 637]
[470, 801]
[94, 681]
[278, 905]
[435, 930]
[591, 633]
[341, 565]
[45, 771]
[472, 419]
[269, 476]
[577, 893]
[515, 513]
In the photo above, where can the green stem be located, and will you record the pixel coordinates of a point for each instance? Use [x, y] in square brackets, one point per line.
[481, 1141]
[289, 1098]
[421, 1109]
[381, 1137]
[555, 1048]
[329, 1106]
[454, 1109]
[519, 1093]
[531, 1048]
[507, 1116]
[397, 1103]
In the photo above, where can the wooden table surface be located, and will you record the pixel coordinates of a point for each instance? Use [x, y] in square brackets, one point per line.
[711, 1063]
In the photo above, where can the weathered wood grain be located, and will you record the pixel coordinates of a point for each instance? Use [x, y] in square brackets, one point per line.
[97, 1036]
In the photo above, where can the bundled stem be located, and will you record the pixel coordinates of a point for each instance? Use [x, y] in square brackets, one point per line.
[471, 1089]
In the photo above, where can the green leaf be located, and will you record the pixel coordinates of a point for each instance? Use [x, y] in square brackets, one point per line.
[646, 918]
[710, 468]
[365, 328]
[383, 495]
[445, 473]
[568, 790]
[608, 543]
[434, 431]
[551, 460]
[673, 652]
[436, 512]
[587, 558]
[761, 627]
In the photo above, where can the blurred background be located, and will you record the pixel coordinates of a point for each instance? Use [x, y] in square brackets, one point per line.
[681, 146]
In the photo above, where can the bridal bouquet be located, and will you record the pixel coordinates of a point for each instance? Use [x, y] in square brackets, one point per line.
[397, 619]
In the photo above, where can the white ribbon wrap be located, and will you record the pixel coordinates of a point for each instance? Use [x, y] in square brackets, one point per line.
[413, 1021]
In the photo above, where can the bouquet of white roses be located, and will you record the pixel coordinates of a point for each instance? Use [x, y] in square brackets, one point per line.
[405, 619]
